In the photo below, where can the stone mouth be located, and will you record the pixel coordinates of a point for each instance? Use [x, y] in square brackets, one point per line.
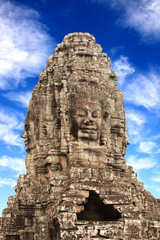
[26, 142]
[88, 127]
[88, 130]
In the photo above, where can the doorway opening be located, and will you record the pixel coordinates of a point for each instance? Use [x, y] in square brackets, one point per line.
[96, 210]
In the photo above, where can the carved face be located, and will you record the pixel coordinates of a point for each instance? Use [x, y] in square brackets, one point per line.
[49, 65]
[88, 117]
[29, 136]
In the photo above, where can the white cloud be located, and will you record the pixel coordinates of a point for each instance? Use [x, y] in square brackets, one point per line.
[143, 16]
[21, 97]
[139, 89]
[156, 179]
[134, 133]
[123, 68]
[7, 182]
[10, 118]
[115, 51]
[136, 122]
[24, 44]
[142, 163]
[10, 125]
[144, 91]
[15, 164]
[135, 116]
[156, 137]
[147, 147]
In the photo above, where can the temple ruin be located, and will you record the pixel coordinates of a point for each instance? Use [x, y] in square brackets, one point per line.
[78, 185]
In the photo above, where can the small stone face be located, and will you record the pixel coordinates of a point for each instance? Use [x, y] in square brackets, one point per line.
[78, 185]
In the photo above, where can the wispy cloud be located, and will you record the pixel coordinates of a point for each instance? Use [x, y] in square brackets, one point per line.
[155, 137]
[7, 182]
[123, 69]
[147, 147]
[22, 98]
[141, 163]
[143, 16]
[15, 164]
[139, 89]
[24, 44]
[156, 179]
[116, 51]
[144, 91]
[135, 116]
[135, 121]
[10, 125]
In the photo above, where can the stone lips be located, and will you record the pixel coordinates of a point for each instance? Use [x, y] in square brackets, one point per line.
[78, 185]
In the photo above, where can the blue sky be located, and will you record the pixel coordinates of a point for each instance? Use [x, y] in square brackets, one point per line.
[128, 31]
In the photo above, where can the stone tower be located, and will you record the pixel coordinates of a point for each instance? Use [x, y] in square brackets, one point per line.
[78, 185]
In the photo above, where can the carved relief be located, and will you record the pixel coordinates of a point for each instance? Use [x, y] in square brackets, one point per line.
[87, 121]
[78, 185]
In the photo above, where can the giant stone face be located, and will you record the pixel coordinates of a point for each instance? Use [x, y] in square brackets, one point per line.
[88, 116]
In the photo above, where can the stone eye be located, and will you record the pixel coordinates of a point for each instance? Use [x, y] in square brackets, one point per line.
[81, 113]
[95, 114]
[27, 126]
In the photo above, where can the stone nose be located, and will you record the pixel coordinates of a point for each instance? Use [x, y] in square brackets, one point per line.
[88, 119]
[23, 134]
[127, 141]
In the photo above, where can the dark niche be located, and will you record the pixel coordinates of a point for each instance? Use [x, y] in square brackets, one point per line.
[96, 210]
[12, 237]
[54, 230]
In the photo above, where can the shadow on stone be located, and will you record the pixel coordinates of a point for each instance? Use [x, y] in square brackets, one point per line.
[96, 210]
[54, 230]
[12, 237]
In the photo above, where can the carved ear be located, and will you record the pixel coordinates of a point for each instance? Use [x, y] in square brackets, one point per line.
[74, 129]
[103, 137]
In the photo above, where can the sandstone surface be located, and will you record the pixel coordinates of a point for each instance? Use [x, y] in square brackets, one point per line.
[78, 185]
